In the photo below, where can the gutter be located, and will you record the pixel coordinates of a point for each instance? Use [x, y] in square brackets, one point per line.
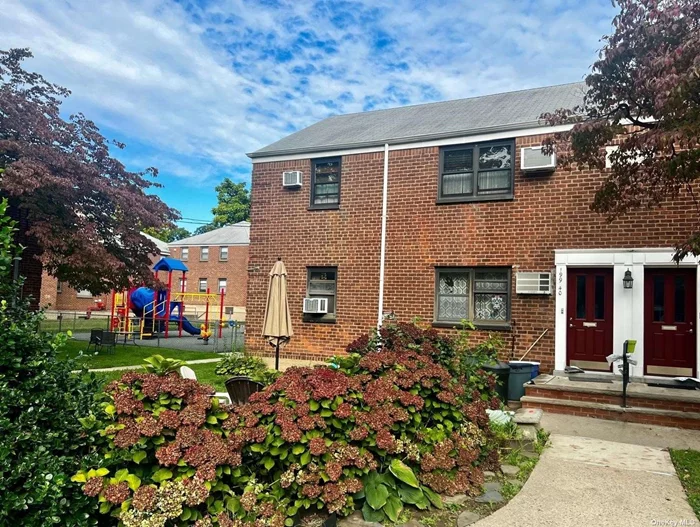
[382, 253]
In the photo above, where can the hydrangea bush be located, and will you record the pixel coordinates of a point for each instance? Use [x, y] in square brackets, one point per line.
[373, 430]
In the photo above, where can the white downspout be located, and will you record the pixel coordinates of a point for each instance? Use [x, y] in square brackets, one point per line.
[380, 313]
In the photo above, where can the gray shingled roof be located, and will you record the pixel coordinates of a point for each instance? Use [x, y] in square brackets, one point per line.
[236, 234]
[488, 113]
[162, 246]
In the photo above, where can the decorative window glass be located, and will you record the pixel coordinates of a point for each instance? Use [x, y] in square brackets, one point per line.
[202, 285]
[321, 283]
[223, 254]
[476, 172]
[222, 285]
[185, 254]
[481, 295]
[204, 254]
[325, 183]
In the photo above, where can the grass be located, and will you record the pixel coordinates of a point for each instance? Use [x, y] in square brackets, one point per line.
[128, 355]
[75, 324]
[687, 463]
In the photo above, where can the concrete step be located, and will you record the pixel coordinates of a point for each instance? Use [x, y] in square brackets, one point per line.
[602, 410]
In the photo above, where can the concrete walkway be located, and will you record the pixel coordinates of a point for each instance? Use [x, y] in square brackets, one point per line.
[584, 481]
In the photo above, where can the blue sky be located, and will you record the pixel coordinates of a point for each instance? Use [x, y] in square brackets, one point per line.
[191, 86]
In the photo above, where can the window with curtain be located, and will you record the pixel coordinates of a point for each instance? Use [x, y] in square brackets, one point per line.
[325, 183]
[481, 295]
[477, 172]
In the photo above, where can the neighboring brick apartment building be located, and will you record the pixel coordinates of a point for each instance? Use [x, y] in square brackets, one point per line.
[217, 260]
[467, 228]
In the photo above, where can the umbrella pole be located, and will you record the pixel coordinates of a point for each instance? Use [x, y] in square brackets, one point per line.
[277, 355]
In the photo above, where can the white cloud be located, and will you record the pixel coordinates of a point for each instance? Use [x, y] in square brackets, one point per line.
[209, 83]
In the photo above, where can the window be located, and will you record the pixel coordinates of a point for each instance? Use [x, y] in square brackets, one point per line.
[223, 254]
[185, 254]
[321, 283]
[481, 295]
[478, 172]
[183, 284]
[84, 294]
[204, 254]
[202, 285]
[325, 183]
[222, 285]
[59, 287]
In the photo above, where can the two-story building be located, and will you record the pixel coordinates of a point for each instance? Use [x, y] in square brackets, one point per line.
[449, 210]
[217, 260]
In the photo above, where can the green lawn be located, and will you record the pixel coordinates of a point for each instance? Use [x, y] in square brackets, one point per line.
[205, 374]
[687, 463]
[127, 355]
[75, 324]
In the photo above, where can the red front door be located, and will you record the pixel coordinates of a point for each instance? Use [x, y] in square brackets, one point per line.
[669, 315]
[590, 314]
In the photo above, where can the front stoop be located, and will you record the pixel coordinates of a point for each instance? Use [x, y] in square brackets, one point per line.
[646, 404]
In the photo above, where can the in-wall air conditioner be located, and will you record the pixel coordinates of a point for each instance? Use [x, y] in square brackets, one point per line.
[533, 283]
[291, 178]
[316, 306]
[533, 160]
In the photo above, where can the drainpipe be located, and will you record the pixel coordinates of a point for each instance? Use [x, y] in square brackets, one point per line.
[382, 256]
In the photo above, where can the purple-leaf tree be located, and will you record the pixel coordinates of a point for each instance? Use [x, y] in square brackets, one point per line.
[83, 208]
[643, 95]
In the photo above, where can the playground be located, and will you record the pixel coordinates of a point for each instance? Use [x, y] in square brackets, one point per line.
[146, 316]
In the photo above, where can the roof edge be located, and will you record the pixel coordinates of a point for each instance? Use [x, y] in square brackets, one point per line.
[403, 140]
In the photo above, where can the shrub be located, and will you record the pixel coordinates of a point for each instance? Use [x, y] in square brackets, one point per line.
[41, 443]
[376, 431]
[253, 367]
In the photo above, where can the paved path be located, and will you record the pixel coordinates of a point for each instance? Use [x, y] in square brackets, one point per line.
[582, 481]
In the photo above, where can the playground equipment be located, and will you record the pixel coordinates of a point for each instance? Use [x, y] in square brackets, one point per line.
[154, 310]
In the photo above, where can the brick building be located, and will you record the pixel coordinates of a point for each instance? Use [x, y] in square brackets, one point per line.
[470, 233]
[217, 260]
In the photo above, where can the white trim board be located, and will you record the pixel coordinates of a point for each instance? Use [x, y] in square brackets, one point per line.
[462, 139]
[628, 304]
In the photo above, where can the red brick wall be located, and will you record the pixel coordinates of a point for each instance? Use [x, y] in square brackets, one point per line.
[235, 270]
[549, 212]
[68, 299]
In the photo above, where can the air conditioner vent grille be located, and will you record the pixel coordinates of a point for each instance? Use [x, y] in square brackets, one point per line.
[528, 283]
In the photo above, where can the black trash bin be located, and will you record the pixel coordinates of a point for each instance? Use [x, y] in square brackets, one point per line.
[520, 373]
[502, 372]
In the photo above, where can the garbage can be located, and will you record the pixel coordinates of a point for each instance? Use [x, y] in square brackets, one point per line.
[502, 372]
[535, 369]
[520, 373]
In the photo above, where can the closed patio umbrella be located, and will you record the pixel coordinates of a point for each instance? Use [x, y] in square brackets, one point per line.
[277, 325]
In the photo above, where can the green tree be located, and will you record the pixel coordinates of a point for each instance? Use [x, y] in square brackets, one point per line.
[644, 93]
[233, 206]
[169, 234]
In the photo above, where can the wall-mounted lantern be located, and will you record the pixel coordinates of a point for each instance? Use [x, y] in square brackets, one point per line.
[627, 281]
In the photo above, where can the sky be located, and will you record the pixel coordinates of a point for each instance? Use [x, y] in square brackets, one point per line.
[192, 86]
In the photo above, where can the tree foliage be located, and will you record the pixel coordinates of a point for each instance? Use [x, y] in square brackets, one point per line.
[84, 208]
[41, 440]
[643, 93]
[233, 206]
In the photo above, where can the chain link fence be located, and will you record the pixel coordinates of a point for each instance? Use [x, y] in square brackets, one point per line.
[232, 334]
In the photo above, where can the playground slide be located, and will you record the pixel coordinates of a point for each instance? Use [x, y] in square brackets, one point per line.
[187, 326]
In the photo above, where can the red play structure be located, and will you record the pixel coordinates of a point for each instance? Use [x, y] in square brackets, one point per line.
[147, 312]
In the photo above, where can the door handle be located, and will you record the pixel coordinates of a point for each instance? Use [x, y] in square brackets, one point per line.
[571, 326]
[690, 330]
